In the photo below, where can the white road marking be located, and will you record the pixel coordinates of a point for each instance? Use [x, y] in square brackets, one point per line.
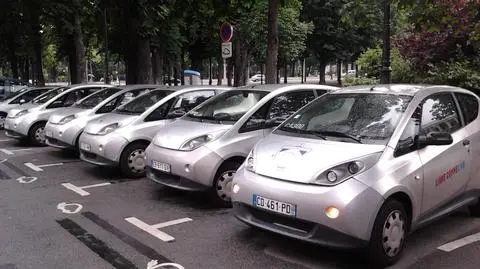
[80, 190]
[51, 164]
[63, 207]
[11, 151]
[5, 140]
[26, 180]
[460, 242]
[33, 167]
[153, 229]
[153, 264]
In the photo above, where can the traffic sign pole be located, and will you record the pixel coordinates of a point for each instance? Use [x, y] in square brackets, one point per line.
[226, 34]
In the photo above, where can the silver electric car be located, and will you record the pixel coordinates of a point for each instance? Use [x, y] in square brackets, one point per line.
[202, 150]
[63, 128]
[120, 138]
[19, 98]
[364, 166]
[28, 121]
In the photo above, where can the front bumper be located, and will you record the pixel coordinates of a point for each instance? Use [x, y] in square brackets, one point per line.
[62, 136]
[190, 170]
[104, 150]
[357, 203]
[17, 127]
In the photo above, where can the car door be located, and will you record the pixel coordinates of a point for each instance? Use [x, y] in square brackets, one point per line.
[444, 167]
[171, 110]
[284, 105]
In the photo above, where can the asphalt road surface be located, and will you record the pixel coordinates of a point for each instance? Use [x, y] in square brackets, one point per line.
[59, 212]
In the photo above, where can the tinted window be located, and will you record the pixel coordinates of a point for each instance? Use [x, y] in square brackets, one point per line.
[142, 102]
[97, 97]
[285, 105]
[187, 101]
[257, 120]
[439, 114]
[160, 112]
[48, 95]
[27, 96]
[229, 106]
[352, 117]
[469, 106]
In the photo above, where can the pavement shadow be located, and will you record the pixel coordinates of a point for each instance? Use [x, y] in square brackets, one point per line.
[192, 200]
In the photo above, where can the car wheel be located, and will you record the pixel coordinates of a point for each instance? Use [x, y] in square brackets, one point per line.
[3, 116]
[389, 234]
[222, 185]
[132, 161]
[36, 135]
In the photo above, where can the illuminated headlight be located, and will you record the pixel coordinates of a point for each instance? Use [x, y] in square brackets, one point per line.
[196, 142]
[20, 113]
[250, 163]
[66, 119]
[108, 129]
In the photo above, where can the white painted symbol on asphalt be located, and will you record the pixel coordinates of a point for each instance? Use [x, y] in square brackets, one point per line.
[154, 229]
[80, 190]
[63, 207]
[26, 180]
[153, 264]
[11, 151]
[5, 140]
[460, 242]
[38, 168]
[4, 160]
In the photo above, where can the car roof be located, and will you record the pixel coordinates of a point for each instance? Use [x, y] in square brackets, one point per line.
[401, 89]
[139, 86]
[286, 87]
[198, 87]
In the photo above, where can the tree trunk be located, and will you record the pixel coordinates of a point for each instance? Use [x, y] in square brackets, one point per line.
[158, 56]
[210, 71]
[220, 70]
[285, 68]
[272, 46]
[339, 72]
[356, 70]
[229, 71]
[37, 63]
[241, 62]
[144, 62]
[77, 51]
[321, 72]
[277, 80]
[26, 70]
[13, 57]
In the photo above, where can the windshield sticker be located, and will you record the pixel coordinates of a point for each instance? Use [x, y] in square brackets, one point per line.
[295, 125]
[450, 173]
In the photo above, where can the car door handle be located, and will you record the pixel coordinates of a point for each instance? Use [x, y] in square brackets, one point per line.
[466, 142]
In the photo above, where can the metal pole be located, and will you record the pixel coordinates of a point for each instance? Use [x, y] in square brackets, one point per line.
[386, 76]
[106, 76]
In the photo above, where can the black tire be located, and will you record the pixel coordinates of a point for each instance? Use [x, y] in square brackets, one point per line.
[129, 160]
[221, 189]
[394, 212]
[3, 117]
[474, 209]
[33, 134]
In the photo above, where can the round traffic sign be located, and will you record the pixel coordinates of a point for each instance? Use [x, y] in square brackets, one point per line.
[226, 32]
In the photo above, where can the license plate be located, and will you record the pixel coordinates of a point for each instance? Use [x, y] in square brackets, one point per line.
[5, 126]
[49, 133]
[85, 146]
[275, 206]
[164, 167]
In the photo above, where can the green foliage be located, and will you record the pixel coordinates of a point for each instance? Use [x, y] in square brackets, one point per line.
[352, 81]
[370, 63]
[463, 74]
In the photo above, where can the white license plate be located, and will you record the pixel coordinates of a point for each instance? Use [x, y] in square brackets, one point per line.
[85, 146]
[164, 167]
[5, 126]
[275, 206]
[49, 133]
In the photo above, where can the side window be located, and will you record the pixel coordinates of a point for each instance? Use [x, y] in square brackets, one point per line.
[406, 143]
[321, 92]
[439, 114]
[160, 112]
[283, 106]
[468, 105]
[257, 120]
[187, 101]
[120, 100]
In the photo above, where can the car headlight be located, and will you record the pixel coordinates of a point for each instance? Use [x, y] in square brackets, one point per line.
[250, 162]
[108, 129]
[196, 142]
[20, 113]
[67, 119]
[342, 172]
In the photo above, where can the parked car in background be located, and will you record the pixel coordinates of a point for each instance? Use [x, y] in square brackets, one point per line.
[11, 85]
[63, 128]
[257, 78]
[202, 150]
[28, 121]
[365, 166]
[19, 98]
[121, 137]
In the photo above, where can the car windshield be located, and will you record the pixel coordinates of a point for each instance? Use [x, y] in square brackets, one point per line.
[143, 102]
[96, 98]
[227, 107]
[13, 94]
[48, 95]
[350, 117]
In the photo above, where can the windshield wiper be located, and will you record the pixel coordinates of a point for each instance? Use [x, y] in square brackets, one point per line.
[300, 131]
[339, 134]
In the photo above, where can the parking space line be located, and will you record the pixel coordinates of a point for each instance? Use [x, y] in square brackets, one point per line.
[11, 151]
[33, 167]
[5, 140]
[48, 165]
[153, 229]
[80, 190]
[460, 242]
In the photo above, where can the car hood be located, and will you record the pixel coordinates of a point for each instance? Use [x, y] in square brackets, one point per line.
[94, 126]
[30, 106]
[175, 134]
[302, 159]
[67, 111]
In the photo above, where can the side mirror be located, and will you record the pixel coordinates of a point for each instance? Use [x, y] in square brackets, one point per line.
[22, 101]
[434, 139]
